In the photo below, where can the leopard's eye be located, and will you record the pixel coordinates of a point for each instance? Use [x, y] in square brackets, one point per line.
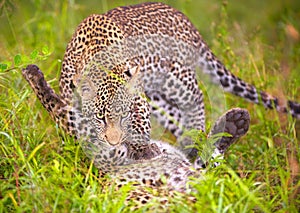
[125, 117]
[99, 116]
[125, 114]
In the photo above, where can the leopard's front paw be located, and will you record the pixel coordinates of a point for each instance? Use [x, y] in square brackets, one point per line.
[143, 152]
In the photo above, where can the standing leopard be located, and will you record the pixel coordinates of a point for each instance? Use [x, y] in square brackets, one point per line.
[132, 62]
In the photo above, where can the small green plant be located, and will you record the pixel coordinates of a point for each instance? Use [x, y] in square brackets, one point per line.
[21, 61]
[204, 143]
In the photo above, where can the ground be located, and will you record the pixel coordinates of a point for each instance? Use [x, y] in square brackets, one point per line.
[43, 170]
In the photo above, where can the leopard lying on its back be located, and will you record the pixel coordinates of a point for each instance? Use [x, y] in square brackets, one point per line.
[123, 66]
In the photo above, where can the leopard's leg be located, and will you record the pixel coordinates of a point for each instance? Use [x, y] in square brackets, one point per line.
[167, 115]
[138, 134]
[176, 101]
[235, 122]
[51, 101]
[138, 142]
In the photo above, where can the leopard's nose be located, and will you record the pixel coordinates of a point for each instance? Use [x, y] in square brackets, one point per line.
[113, 134]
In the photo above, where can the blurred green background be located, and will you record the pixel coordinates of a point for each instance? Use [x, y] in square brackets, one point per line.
[258, 40]
[37, 23]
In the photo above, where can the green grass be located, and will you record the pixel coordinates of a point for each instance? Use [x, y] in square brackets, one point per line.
[43, 170]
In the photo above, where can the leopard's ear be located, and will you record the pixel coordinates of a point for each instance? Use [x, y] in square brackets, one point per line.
[133, 71]
[134, 84]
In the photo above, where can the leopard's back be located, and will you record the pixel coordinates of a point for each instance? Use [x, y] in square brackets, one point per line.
[156, 19]
[97, 32]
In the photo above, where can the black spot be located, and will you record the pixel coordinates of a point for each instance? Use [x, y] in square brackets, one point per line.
[171, 83]
[173, 131]
[251, 90]
[71, 124]
[238, 89]
[250, 97]
[275, 101]
[224, 82]
[177, 179]
[122, 179]
[233, 81]
[112, 153]
[41, 82]
[177, 86]
[72, 86]
[155, 98]
[294, 106]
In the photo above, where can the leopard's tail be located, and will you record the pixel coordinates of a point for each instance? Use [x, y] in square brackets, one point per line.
[209, 63]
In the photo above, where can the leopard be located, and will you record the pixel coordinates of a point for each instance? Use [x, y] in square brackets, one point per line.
[144, 170]
[136, 62]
